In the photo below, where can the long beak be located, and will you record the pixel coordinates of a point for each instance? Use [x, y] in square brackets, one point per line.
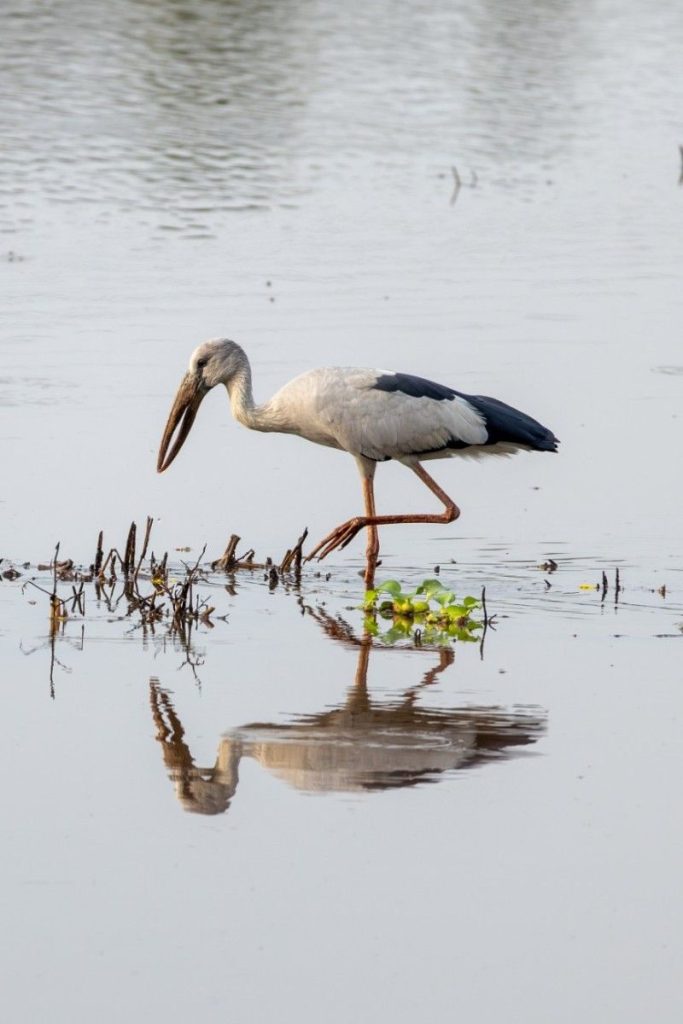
[182, 416]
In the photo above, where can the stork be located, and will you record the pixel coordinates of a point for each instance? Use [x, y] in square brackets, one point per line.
[375, 415]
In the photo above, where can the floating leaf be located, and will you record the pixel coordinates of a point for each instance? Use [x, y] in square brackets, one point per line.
[390, 587]
[430, 587]
[412, 614]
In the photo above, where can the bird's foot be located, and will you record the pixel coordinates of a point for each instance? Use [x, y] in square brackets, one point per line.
[339, 538]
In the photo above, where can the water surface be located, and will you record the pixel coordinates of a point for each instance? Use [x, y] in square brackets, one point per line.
[375, 831]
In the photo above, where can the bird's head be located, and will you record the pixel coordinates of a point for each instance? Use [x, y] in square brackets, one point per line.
[213, 362]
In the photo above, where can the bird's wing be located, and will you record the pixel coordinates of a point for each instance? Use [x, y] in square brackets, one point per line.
[379, 423]
[385, 415]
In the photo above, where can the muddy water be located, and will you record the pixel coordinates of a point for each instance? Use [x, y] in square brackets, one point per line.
[299, 822]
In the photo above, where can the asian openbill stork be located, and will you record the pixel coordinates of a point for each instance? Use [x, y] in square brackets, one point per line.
[375, 415]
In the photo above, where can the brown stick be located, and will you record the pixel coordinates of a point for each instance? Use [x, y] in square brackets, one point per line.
[129, 553]
[99, 554]
[148, 531]
[294, 555]
[227, 559]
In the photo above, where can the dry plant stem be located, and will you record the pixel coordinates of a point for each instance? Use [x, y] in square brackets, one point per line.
[294, 555]
[57, 607]
[99, 554]
[111, 557]
[181, 596]
[129, 552]
[299, 550]
[227, 559]
[145, 544]
[229, 562]
[54, 570]
[103, 568]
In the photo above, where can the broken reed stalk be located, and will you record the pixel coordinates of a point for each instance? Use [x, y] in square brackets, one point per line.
[128, 560]
[145, 543]
[78, 599]
[99, 555]
[295, 555]
[227, 560]
[230, 562]
[111, 557]
[57, 607]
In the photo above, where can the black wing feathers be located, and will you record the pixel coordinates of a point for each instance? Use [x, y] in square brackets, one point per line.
[503, 422]
[416, 387]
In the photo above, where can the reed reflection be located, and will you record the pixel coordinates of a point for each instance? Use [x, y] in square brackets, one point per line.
[361, 745]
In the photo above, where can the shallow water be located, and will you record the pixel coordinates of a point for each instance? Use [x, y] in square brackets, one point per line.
[376, 831]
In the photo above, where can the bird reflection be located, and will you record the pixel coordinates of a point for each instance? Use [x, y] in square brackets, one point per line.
[362, 745]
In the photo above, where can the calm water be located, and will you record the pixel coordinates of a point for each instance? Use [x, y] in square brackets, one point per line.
[374, 832]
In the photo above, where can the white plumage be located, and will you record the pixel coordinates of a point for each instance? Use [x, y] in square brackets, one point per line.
[375, 415]
[341, 407]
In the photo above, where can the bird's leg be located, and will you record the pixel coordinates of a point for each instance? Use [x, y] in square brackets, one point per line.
[367, 472]
[372, 547]
[345, 533]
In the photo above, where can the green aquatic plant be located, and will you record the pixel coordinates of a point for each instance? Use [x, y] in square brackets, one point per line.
[431, 614]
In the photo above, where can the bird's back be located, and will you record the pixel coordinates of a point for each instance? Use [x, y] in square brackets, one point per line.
[385, 415]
